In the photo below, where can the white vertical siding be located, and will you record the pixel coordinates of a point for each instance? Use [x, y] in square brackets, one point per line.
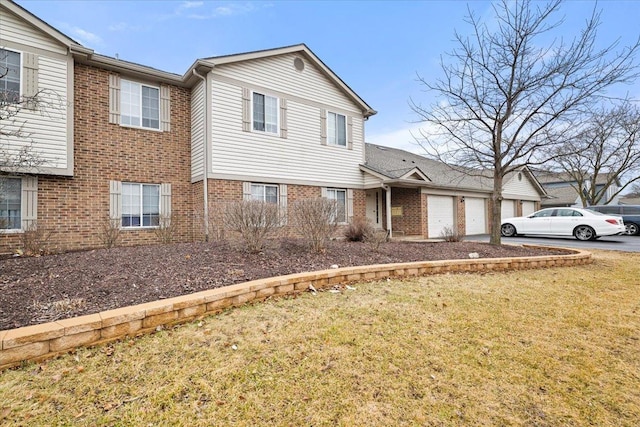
[299, 158]
[278, 73]
[197, 130]
[47, 126]
[14, 29]
[520, 187]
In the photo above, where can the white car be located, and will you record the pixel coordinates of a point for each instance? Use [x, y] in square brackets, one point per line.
[583, 224]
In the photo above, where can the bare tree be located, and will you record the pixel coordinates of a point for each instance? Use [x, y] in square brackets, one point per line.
[506, 83]
[601, 152]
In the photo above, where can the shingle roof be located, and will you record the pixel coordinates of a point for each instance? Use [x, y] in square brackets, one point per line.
[561, 196]
[394, 163]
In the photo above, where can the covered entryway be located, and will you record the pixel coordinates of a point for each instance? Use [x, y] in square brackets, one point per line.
[508, 209]
[475, 216]
[528, 208]
[374, 207]
[440, 215]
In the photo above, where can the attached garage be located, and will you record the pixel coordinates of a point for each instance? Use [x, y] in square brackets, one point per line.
[440, 215]
[528, 208]
[475, 216]
[508, 209]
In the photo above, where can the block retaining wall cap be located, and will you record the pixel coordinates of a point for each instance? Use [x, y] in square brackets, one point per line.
[39, 342]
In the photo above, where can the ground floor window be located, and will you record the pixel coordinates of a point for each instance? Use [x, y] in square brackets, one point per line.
[340, 197]
[140, 205]
[10, 203]
[267, 193]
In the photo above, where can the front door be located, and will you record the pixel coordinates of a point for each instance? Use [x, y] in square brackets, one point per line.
[374, 210]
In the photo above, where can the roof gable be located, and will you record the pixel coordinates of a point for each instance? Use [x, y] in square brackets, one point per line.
[300, 49]
[32, 20]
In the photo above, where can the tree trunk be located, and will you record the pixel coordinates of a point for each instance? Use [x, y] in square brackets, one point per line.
[496, 208]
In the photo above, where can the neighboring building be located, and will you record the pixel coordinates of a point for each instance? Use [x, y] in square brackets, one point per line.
[410, 194]
[562, 189]
[133, 144]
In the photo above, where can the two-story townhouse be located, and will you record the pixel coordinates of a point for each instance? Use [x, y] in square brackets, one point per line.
[278, 126]
[131, 145]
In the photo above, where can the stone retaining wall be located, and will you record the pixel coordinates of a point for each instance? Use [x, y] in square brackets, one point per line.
[37, 342]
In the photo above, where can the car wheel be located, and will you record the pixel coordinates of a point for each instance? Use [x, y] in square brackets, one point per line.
[584, 232]
[631, 229]
[507, 230]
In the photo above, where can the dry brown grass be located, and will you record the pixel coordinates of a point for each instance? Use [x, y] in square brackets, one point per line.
[542, 347]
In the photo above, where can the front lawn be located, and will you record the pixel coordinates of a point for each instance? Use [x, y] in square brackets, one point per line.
[540, 347]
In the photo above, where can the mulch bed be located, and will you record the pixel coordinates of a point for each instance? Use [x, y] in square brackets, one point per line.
[41, 289]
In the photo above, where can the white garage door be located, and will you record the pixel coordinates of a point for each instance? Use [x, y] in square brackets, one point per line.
[508, 209]
[528, 208]
[475, 216]
[440, 215]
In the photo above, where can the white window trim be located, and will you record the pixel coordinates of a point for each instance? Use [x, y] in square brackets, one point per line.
[265, 94]
[346, 129]
[345, 219]
[159, 129]
[142, 227]
[264, 193]
[21, 53]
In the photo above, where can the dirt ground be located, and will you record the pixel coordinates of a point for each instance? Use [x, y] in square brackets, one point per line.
[41, 289]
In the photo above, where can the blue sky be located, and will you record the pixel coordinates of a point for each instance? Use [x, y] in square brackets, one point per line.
[376, 47]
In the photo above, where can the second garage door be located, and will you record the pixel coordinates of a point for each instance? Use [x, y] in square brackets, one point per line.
[528, 208]
[508, 209]
[440, 215]
[475, 216]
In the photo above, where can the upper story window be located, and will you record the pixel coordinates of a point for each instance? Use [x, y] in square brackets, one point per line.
[264, 192]
[265, 113]
[336, 129]
[140, 205]
[10, 203]
[9, 76]
[139, 105]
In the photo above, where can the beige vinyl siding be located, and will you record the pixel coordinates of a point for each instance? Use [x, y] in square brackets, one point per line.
[515, 188]
[370, 180]
[259, 155]
[197, 130]
[48, 131]
[277, 73]
[14, 29]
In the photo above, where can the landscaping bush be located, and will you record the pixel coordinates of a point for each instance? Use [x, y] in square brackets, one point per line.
[109, 232]
[35, 240]
[358, 230]
[450, 235]
[377, 238]
[166, 229]
[254, 220]
[316, 220]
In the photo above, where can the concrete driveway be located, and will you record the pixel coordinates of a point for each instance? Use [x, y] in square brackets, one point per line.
[614, 243]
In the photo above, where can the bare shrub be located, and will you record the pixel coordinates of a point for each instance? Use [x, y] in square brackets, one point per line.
[377, 238]
[35, 240]
[316, 220]
[109, 232]
[166, 230]
[254, 220]
[358, 230]
[214, 227]
[451, 235]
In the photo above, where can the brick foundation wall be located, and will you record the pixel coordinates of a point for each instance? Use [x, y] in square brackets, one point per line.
[413, 219]
[74, 209]
[461, 215]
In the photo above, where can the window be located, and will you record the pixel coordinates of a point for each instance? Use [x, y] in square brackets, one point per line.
[265, 193]
[139, 105]
[265, 113]
[140, 205]
[340, 197]
[9, 77]
[10, 203]
[542, 214]
[336, 129]
[567, 212]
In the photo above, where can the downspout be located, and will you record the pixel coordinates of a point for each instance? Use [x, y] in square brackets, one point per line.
[205, 161]
[387, 191]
